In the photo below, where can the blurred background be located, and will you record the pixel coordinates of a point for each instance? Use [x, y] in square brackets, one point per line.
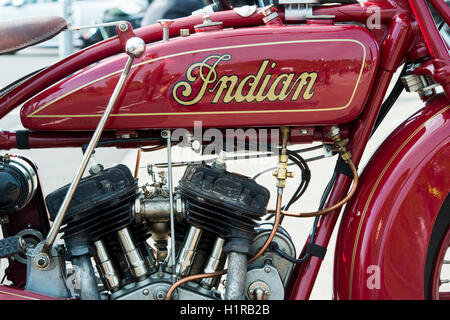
[90, 12]
[57, 166]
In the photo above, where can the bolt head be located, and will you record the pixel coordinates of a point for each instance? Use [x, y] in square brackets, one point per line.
[135, 47]
[160, 295]
[123, 27]
[165, 134]
[42, 261]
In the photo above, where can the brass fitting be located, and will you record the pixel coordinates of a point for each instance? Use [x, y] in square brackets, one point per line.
[339, 143]
[6, 158]
[281, 173]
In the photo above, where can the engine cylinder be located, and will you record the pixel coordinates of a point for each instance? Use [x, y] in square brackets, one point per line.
[227, 204]
[101, 205]
[100, 221]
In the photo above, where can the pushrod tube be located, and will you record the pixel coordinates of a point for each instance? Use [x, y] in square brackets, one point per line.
[168, 134]
[305, 274]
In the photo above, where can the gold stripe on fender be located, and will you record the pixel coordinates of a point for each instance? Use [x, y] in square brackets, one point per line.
[35, 114]
[375, 186]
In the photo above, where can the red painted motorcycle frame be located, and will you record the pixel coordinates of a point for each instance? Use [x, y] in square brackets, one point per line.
[402, 188]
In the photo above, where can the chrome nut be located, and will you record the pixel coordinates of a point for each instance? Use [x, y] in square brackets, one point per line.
[41, 261]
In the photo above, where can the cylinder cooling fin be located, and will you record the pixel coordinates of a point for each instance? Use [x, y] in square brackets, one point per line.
[227, 204]
[101, 204]
[219, 225]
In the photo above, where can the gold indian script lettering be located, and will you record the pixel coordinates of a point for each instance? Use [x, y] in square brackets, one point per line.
[258, 87]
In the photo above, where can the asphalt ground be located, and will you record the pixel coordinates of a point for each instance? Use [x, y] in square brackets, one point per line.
[57, 166]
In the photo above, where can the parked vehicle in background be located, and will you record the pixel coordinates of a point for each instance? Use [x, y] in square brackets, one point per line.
[171, 9]
[84, 12]
[141, 13]
[132, 11]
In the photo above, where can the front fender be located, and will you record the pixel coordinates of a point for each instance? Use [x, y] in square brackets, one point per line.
[385, 231]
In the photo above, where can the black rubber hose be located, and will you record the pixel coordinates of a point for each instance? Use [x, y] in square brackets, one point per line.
[390, 100]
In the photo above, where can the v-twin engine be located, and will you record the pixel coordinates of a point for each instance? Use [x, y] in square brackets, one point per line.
[123, 230]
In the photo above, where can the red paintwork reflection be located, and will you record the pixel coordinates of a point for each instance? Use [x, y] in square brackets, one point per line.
[387, 226]
[335, 53]
[10, 293]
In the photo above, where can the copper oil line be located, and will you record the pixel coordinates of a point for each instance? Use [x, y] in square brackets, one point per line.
[256, 256]
[263, 248]
[138, 160]
[139, 154]
[333, 207]
[278, 212]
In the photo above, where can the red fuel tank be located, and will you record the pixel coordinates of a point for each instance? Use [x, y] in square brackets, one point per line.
[261, 76]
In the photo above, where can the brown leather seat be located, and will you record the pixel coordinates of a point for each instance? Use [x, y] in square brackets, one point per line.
[21, 33]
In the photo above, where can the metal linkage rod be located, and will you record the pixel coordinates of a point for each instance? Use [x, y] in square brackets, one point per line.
[168, 136]
[135, 47]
